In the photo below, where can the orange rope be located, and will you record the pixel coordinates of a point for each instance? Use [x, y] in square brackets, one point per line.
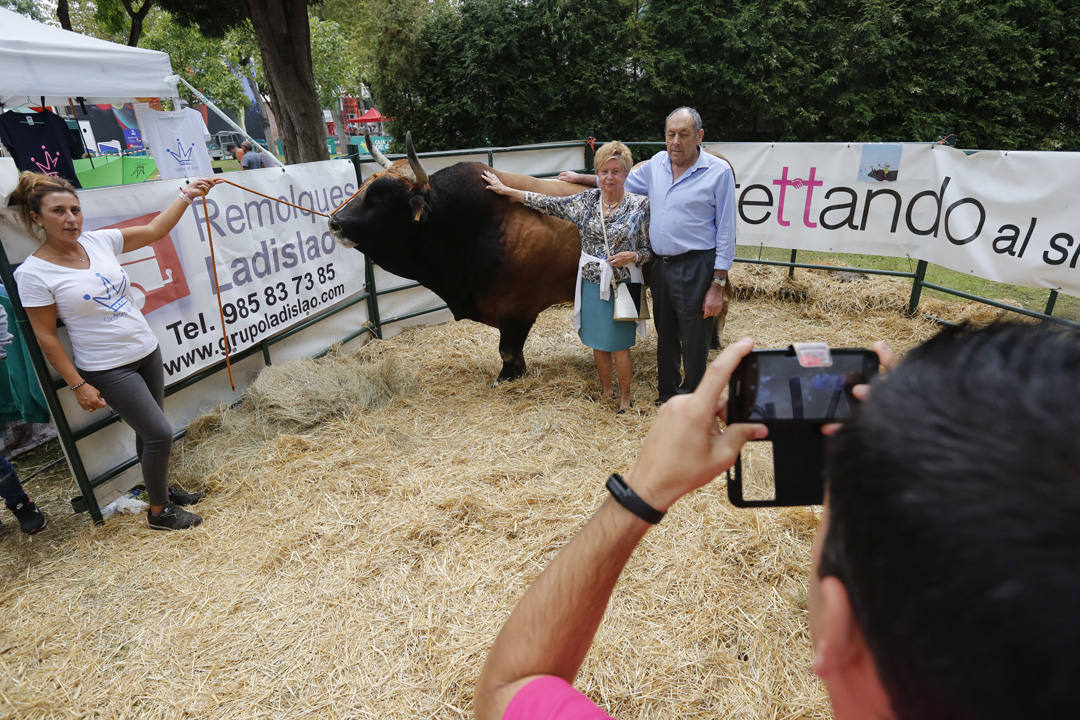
[283, 202]
[217, 290]
[300, 207]
[213, 260]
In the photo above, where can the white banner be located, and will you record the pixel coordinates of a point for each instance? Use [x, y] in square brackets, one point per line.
[1005, 216]
[276, 264]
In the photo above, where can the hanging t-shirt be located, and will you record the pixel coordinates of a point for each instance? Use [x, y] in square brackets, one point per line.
[39, 142]
[105, 327]
[177, 140]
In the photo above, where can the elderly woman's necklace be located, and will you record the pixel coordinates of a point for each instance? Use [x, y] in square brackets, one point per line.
[610, 207]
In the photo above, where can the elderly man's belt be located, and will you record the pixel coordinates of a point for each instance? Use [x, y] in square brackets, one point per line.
[682, 256]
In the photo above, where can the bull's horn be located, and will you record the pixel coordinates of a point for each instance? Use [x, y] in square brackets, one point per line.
[374, 151]
[414, 162]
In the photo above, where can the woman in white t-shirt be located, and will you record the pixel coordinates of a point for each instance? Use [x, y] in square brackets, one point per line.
[76, 277]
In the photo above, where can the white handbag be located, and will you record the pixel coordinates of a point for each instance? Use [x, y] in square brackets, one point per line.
[630, 302]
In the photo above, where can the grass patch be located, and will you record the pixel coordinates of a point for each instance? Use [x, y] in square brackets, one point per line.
[1067, 306]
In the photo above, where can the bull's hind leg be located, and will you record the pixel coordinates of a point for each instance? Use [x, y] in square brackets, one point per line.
[512, 334]
[721, 319]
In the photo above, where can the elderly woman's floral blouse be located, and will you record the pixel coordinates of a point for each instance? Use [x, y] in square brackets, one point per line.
[627, 228]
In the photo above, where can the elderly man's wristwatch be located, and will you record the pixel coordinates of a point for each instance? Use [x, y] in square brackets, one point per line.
[719, 281]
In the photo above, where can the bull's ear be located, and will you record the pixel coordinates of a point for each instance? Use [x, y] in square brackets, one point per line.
[418, 206]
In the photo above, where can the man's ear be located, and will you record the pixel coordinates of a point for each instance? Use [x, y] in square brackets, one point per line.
[842, 659]
[838, 640]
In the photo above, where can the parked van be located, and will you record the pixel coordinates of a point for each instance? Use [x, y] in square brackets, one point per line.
[218, 145]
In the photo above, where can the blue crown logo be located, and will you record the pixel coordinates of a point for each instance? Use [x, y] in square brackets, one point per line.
[181, 156]
[115, 297]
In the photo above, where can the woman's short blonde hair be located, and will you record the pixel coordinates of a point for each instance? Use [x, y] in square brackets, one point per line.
[613, 149]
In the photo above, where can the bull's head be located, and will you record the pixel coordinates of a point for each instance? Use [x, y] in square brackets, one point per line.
[388, 203]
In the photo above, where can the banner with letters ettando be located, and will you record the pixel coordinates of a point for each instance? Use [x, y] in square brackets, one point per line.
[1000, 215]
[276, 265]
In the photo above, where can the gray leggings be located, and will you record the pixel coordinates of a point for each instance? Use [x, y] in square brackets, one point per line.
[136, 392]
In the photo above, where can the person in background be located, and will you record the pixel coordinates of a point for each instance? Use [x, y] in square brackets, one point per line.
[76, 277]
[252, 160]
[947, 564]
[237, 153]
[31, 520]
[614, 228]
[692, 231]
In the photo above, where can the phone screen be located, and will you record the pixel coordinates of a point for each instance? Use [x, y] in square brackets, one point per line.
[771, 386]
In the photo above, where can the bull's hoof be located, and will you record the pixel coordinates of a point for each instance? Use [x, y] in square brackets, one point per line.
[509, 373]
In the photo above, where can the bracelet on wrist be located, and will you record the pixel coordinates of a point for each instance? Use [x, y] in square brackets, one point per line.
[630, 500]
[76, 386]
[185, 197]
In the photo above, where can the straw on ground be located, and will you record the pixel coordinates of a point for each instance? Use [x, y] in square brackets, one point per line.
[374, 517]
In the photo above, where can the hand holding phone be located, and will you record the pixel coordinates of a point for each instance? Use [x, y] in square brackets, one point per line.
[772, 387]
[794, 400]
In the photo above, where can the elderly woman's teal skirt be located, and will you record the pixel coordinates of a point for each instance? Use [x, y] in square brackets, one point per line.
[598, 330]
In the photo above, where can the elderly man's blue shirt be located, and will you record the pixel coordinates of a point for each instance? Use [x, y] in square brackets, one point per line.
[696, 212]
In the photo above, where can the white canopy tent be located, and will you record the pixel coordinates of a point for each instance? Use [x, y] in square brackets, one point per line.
[38, 60]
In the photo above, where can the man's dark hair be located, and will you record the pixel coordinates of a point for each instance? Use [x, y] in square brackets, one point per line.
[954, 524]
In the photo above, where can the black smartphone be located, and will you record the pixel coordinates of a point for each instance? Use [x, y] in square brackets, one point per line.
[772, 387]
[794, 399]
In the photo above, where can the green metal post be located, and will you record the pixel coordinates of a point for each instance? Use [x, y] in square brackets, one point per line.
[372, 298]
[794, 257]
[1050, 302]
[369, 269]
[916, 288]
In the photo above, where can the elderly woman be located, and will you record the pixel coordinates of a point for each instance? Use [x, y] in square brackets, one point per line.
[614, 228]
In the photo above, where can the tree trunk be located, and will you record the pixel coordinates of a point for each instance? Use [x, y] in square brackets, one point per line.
[63, 15]
[284, 35]
[137, 17]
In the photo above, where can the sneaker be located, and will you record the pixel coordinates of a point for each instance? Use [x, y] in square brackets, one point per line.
[31, 520]
[179, 497]
[172, 517]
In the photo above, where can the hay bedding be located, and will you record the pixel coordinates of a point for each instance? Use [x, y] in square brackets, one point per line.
[374, 517]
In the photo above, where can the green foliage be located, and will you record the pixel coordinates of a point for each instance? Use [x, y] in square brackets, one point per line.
[499, 72]
[214, 64]
[213, 18]
[206, 63]
[29, 8]
[999, 75]
[335, 64]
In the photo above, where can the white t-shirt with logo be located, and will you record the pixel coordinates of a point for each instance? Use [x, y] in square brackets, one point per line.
[177, 140]
[105, 327]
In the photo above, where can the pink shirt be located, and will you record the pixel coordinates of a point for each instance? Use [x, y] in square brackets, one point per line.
[552, 698]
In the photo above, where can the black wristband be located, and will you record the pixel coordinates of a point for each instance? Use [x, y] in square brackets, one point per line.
[631, 501]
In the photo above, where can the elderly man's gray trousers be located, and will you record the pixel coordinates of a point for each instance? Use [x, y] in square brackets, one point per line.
[679, 284]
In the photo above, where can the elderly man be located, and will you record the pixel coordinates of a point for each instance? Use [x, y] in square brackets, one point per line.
[692, 232]
[947, 564]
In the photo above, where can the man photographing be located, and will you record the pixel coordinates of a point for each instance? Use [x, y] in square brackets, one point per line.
[947, 564]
